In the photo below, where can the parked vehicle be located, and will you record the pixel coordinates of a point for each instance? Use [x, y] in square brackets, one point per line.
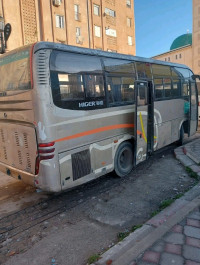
[70, 115]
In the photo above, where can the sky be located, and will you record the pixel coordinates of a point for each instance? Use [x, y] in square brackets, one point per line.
[159, 22]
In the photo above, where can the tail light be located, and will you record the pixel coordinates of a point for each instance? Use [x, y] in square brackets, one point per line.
[45, 152]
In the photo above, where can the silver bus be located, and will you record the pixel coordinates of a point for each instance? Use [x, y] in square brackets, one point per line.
[69, 115]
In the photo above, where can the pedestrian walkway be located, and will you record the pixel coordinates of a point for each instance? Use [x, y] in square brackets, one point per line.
[172, 237]
[179, 246]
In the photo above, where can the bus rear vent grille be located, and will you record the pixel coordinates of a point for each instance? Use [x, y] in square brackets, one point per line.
[28, 163]
[2, 136]
[5, 153]
[81, 165]
[42, 68]
[19, 156]
[25, 140]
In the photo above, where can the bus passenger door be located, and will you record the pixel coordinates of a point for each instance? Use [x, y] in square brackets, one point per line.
[144, 121]
[193, 115]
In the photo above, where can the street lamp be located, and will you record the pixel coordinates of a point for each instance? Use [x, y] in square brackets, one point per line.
[2, 25]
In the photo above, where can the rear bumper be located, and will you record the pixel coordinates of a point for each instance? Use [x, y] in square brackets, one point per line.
[18, 174]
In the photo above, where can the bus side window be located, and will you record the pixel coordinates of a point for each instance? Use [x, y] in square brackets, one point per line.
[142, 95]
[167, 87]
[158, 83]
[185, 89]
[121, 90]
[193, 94]
[94, 86]
[176, 91]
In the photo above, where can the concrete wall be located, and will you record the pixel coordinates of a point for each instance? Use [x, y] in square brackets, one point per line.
[196, 36]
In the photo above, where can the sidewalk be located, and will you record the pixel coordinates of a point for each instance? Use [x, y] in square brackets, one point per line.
[173, 235]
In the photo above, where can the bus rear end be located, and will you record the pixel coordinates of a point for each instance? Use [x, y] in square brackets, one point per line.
[18, 141]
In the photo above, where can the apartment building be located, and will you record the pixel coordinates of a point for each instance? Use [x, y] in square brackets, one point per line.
[108, 25]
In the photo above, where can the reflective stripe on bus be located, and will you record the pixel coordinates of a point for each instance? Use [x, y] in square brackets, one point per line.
[98, 130]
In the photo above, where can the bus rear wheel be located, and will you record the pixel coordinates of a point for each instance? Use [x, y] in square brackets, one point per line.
[123, 162]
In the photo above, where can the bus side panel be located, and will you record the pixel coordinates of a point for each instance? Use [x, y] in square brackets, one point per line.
[175, 127]
[89, 127]
[89, 162]
[168, 117]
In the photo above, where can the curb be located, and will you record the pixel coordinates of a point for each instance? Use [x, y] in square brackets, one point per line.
[137, 242]
[190, 152]
[187, 158]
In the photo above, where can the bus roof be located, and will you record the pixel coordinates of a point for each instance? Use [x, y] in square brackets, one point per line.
[75, 49]
[63, 47]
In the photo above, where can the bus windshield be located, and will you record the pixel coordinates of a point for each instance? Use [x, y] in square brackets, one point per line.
[15, 69]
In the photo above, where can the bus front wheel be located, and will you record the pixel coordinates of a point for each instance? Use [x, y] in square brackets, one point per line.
[181, 137]
[123, 162]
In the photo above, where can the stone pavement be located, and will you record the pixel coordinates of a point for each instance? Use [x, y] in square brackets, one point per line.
[179, 246]
[172, 237]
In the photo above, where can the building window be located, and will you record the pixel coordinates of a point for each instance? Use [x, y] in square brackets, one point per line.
[168, 59]
[128, 3]
[130, 40]
[57, 2]
[77, 13]
[59, 22]
[180, 56]
[110, 12]
[129, 22]
[165, 59]
[111, 32]
[96, 10]
[79, 39]
[176, 57]
[78, 31]
[97, 31]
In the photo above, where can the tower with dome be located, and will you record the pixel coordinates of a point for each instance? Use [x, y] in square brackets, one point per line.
[185, 49]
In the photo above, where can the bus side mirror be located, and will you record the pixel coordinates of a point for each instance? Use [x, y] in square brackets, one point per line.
[194, 77]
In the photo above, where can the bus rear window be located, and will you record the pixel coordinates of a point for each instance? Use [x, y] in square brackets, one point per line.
[77, 81]
[15, 69]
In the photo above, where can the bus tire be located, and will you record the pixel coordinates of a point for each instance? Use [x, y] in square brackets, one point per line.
[124, 159]
[181, 137]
